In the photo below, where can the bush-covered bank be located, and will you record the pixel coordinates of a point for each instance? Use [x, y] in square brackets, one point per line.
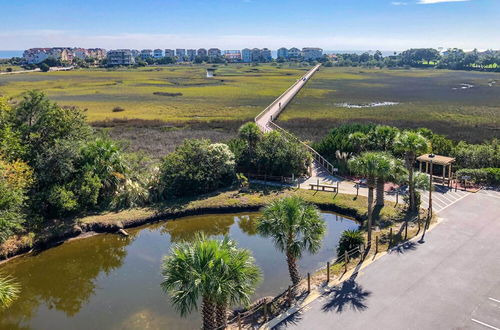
[226, 201]
[348, 140]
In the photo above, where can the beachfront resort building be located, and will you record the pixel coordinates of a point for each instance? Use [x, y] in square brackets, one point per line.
[232, 55]
[246, 55]
[283, 53]
[202, 52]
[191, 54]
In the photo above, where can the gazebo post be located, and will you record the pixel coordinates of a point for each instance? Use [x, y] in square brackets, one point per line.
[426, 167]
[449, 175]
[444, 174]
[420, 166]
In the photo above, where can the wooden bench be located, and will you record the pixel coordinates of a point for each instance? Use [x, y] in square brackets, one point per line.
[323, 187]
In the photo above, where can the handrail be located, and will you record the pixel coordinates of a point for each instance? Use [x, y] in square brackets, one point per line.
[320, 159]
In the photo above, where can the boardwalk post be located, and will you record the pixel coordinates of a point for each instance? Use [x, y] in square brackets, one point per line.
[265, 311]
[376, 244]
[406, 231]
[327, 271]
[239, 321]
[308, 282]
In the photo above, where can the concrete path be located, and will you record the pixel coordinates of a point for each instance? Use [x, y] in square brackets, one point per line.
[449, 282]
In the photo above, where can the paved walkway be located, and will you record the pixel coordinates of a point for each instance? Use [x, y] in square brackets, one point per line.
[449, 282]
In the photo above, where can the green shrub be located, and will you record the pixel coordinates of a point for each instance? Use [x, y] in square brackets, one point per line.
[349, 240]
[481, 175]
[196, 167]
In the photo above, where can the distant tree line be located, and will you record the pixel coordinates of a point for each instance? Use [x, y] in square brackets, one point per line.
[453, 59]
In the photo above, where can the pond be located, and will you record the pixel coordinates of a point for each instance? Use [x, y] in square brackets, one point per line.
[112, 282]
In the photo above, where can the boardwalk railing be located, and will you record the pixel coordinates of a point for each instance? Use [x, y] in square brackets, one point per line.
[322, 161]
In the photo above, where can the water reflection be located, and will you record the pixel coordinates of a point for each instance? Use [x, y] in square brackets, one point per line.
[111, 282]
[62, 279]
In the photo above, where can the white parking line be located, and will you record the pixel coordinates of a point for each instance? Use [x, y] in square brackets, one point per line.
[495, 300]
[447, 198]
[454, 202]
[486, 324]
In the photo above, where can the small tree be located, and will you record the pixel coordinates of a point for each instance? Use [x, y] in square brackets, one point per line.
[216, 273]
[411, 144]
[295, 227]
[370, 165]
[349, 240]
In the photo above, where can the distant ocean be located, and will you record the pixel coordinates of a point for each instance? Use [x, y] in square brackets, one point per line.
[10, 53]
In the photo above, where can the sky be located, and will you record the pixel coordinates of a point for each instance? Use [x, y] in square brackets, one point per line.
[236, 24]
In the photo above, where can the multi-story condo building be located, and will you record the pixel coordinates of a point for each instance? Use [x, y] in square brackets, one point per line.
[157, 53]
[246, 55]
[255, 55]
[214, 53]
[294, 53]
[265, 55]
[283, 53]
[169, 53]
[135, 52]
[120, 57]
[201, 52]
[191, 54]
[145, 53]
[180, 53]
[311, 53]
[38, 55]
[232, 55]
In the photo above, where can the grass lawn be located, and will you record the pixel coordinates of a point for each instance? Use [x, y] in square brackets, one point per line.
[176, 93]
[258, 196]
[425, 98]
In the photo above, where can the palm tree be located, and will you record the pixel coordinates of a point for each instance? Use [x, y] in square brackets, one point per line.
[241, 277]
[395, 170]
[382, 137]
[9, 290]
[295, 226]
[411, 144]
[370, 165]
[215, 271]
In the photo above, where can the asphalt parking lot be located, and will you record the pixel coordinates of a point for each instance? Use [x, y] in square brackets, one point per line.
[451, 281]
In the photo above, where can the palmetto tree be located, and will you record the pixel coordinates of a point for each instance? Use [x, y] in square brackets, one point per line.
[370, 165]
[9, 291]
[396, 170]
[215, 271]
[295, 226]
[411, 144]
[240, 279]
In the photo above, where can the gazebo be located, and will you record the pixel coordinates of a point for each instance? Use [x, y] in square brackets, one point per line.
[445, 162]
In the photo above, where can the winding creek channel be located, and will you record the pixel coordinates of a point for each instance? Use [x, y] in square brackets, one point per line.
[113, 282]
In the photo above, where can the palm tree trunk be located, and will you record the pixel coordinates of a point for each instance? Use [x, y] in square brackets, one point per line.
[292, 268]
[221, 315]
[411, 188]
[208, 314]
[380, 192]
[371, 184]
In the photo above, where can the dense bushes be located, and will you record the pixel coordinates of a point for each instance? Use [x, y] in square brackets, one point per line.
[73, 170]
[271, 153]
[196, 167]
[349, 240]
[477, 155]
[481, 175]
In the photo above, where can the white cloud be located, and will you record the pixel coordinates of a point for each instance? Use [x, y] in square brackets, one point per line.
[399, 3]
[430, 2]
